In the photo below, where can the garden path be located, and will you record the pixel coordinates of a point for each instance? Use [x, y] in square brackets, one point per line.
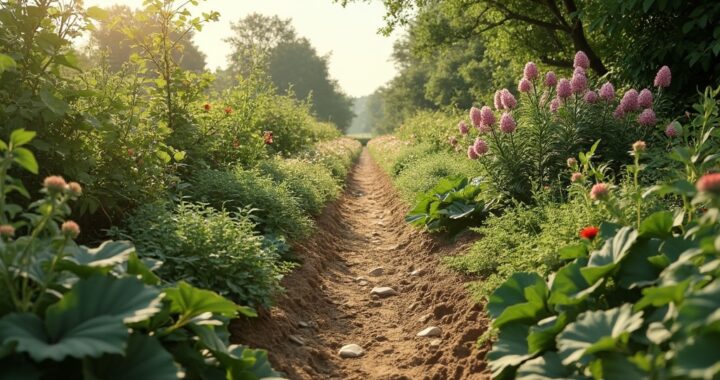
[328, 302]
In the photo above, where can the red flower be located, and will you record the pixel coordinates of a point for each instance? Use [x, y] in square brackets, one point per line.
[228, 110]
[207, 106]
[589, 232]
[268, 137]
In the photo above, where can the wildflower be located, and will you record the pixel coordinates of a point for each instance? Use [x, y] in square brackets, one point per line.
[487, 117]
[599, 191]
[564, 89]
[471, 153]
[507, 98]
[619, 112]
[579, 71]
[7, 230]
[709, 183]
[581, 60]
[673, 129]
[475, 117]
[571, 162]
[507, 123]
[589, 232]
[647, 118]
[607, 91]
[463, 128]
[639, 146]
[70, 229]
[663, 77]
[629, 101]
[207, 107]
[480, 147]
[590, 97]
[54, 183]
[576, 177]
[524, 85]
[645, 99]
[578, 83]
[497, 100]
[550, 79]
[228, 110]
[531, 71]
[453, 140]
[554, 105]
[268, 137]
[74, 188]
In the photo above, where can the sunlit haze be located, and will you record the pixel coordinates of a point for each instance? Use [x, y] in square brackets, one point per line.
[360, 58]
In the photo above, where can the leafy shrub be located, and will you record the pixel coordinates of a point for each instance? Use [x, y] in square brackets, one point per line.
[523, 239]
[69, 311]
[311, 183]
[196, 243]
[336, 155]
[428, 127]
[424, 173]
[451, 205]
[275, 207]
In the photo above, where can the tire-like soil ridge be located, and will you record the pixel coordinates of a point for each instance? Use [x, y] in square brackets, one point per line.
[327, 306]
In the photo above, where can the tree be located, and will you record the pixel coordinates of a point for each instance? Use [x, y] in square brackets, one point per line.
[110, 39]
[270, 43]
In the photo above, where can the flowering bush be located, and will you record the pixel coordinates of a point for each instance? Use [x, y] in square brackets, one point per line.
[523, 144]
[69, 311]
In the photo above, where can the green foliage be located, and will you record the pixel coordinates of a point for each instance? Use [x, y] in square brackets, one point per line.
[430, 128]
[274, 207]
[311, 183]
[68, 311]
[451, 205]
[197, 242]
[422, 174]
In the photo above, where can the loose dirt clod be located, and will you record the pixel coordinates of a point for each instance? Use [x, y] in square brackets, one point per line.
[348, 244]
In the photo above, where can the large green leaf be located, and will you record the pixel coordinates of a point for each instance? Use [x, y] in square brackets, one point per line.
[144, 359]
[510, 350]
[521, 298]
[6, 63]
[662, 295]
[53, 103]
[569, 287]
[701, 308]
[542, 336]
[616, 366]
[637, 270]
[243, 363]
[191, 302]
[610, 255]
[597, 331]
[546, 367]
[658, 225]
[84, 261]
[698, 358]
[87, 322]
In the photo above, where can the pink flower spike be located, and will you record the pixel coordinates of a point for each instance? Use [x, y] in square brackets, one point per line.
[607, 92]
[564, 89]
[463, 128]
[599, 191]
[554, 105]
[647, 118]
[497, 101]
[629, 102]
[619, 112]
[475, 116]
[507, 123]
[578, 84]
[524, 86]
[487, 117]
[480, 147]
[673, 129]
[471, 153]
[645, 99]
[531, 71]
[590, 97]
[550, 79]
[576, 177]
[663, 77]
[579, 70]
[508, 100]
[581, 60]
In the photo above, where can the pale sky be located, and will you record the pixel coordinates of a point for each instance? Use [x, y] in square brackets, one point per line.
[360, 58]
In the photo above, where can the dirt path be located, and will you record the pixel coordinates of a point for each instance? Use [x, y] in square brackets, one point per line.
[326, 306]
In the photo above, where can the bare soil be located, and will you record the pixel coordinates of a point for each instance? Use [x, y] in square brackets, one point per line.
[327, 306]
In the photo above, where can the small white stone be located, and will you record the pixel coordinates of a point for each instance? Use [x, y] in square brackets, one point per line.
[297, 340]
[417, 272]
[431, 331]
[351, 351]
[377, 271]
[435, 343]
[303, 324]
[383, 291]
[362, 283]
